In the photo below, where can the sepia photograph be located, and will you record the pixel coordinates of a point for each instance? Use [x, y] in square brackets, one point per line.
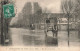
[49, 23]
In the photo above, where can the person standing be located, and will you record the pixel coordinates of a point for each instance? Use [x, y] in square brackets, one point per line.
[48, 23]
[55, 27]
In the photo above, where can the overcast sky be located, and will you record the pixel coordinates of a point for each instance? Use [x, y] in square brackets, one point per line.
[52, 5]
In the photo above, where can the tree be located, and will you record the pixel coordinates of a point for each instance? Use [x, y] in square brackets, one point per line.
[77, 9]
[77, 15]
[67, 7]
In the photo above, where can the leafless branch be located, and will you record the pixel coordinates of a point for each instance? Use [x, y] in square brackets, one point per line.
[67, 7]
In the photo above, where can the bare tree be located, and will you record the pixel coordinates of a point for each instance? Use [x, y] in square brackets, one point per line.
[77, 15]
[77, 9]
[67, 7]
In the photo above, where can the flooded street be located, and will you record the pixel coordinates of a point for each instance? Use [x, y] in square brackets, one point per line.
[25, 37]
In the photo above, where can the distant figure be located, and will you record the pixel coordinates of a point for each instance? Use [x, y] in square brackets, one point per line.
[48, 21]
[32, 27]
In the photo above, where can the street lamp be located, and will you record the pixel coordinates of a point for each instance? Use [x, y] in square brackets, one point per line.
[3, 2]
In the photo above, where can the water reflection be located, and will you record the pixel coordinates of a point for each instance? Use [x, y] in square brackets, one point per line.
[51, 41]
[35, 37]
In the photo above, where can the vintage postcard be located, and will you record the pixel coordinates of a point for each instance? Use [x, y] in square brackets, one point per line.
[39, 25]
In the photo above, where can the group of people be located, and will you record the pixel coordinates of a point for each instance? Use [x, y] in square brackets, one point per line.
[54, 30]
[54, 27]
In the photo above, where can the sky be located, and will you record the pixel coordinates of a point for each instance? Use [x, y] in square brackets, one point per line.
[52, 5]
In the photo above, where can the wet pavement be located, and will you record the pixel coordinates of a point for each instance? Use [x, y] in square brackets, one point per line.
[24, 37]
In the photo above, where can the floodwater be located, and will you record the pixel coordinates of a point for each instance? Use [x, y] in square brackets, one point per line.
[25, 37]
